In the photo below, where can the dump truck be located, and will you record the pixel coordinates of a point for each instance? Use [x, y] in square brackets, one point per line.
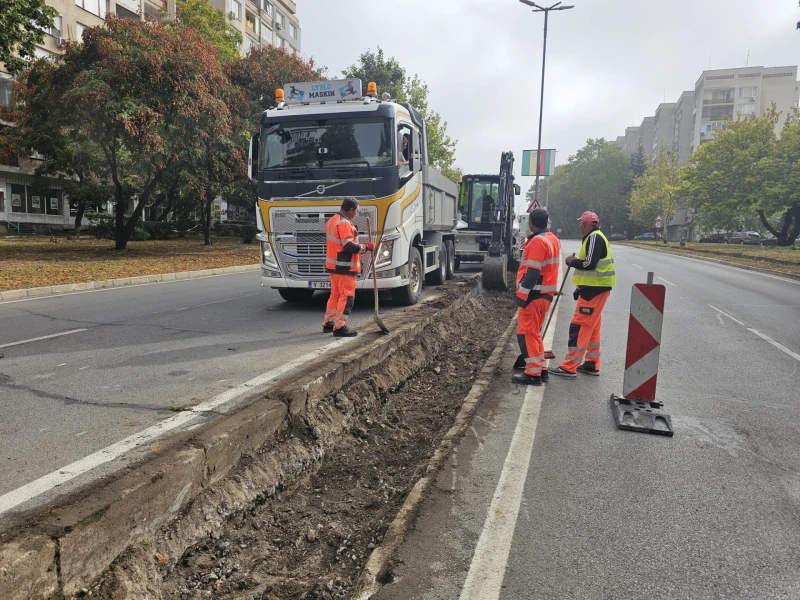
[488, 231]
[325, 141]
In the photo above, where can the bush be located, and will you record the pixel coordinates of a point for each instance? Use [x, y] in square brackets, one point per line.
[101, 225]
[247, 233]
[158, 230]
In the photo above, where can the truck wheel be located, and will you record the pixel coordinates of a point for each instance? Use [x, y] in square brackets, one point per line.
[456, 263]
[409, 294]
[450, 248]
[296, 294]
[439, 276]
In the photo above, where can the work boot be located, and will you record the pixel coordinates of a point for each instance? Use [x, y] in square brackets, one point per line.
[327, 327]
[561, 372]
[526, 379]
[545, 375]
[344, 332]
[589, 368]
[520, 363]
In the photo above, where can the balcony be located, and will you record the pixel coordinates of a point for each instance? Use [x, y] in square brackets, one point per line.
[723, 101]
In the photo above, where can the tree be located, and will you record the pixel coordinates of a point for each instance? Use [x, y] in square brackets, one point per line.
[391, 77]
[655, 193]
[22, 26]
[639, 162]
[146, 95]
[748, 170]
[211, 23]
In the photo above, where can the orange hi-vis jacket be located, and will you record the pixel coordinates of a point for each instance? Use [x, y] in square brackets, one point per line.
[537, 276]
[550, 274]
[342, 250]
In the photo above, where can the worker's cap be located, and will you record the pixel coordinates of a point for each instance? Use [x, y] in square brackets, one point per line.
[589, 217]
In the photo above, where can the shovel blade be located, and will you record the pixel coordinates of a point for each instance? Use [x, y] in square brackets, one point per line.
[381, 325]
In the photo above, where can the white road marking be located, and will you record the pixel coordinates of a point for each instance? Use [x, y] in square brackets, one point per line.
[81, 433]
[122, 287]
[227, 300]
[46, 483]
[667, 282]
[44, 337]
[637, 266]
[180, 309]
[766, 338]
[84, 368]
[485, 577]
[62, 365]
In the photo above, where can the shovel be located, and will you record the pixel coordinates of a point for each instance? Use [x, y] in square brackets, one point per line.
[380, 324]
[549, 353]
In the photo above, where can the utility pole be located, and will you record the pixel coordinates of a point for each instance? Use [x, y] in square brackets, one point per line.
[546, 11]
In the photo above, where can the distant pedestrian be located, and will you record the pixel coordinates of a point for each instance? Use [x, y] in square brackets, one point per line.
[535, 290]
[343, 263]
[594, 278]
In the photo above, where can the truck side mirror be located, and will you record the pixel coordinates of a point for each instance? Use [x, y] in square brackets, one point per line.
[253, 161]
[517, 190]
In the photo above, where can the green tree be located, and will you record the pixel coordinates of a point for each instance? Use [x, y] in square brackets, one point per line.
[639, 162]
[211, 23]
[22, 25]
[655, 193]
[391, 77]
[148, 96]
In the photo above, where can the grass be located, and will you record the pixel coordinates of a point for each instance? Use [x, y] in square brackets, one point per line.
[772, 258]
[27, 262]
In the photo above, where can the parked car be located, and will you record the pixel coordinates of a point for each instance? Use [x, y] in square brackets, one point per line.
[617, 237]
[769, 240]
[750, 238]
[648, 235]
[714, 238]
[797, 242]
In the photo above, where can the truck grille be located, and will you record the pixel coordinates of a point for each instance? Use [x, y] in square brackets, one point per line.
[299, 237]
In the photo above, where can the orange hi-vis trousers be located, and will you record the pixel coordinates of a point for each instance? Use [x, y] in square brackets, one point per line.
[529, 335]
[340, 304]
[584, 333]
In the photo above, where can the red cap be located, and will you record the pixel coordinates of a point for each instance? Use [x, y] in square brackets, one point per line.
[589, 217]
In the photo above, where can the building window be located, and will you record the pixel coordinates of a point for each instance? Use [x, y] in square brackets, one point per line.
[79, 29]
[5, 89]
[250, 21]
[236, 9]
[746, 109]
[18, 198]
[292, 31]
[726, 94]
[750, 91]
[55, 30]
[279, 20]
[93, 6]
[281, 42]
[268, 8]
[266, 32]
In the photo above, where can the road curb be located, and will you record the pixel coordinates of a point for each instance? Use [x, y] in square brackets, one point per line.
[197, 480]
[120, 282]
[723, 262]
[378, 562]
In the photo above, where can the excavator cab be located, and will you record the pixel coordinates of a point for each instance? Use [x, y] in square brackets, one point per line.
[478, 202]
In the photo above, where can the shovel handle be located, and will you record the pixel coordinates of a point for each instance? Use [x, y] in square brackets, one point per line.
[555, 304]
[374, 274]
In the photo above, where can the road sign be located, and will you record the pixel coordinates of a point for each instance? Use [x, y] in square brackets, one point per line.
[659, 222]
[644, 342]
[534, 205]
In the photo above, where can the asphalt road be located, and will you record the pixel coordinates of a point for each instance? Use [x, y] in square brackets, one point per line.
[713, 512]
[133, 355]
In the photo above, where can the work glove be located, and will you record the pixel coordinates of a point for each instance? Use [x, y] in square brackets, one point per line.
[576, 294]
[370, 247]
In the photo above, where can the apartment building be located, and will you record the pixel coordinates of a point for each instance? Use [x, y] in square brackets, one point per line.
[646, 135]
[263, 22]
[739, 93]
[663, 127]
[632, 135]
[682, 132]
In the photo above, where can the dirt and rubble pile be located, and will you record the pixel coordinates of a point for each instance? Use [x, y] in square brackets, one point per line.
[310, 537]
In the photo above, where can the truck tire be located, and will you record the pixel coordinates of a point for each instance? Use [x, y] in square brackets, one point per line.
[450, 248]
[409, 294]
[296, 294]
[439, 276]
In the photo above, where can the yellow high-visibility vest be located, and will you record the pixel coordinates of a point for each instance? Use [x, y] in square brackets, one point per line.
[603, 275]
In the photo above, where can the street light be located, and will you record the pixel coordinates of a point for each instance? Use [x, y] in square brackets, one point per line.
[546, 11]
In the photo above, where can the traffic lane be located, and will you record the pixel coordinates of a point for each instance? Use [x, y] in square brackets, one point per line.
[709, 513]
[66, 398]
[769, 304]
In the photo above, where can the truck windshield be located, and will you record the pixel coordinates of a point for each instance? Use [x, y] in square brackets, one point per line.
[329, 141]
[477, 201]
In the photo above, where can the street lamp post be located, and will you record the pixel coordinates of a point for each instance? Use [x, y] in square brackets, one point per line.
[546, 11]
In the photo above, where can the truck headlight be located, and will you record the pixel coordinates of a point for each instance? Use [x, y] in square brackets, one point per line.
[267, 255]
[384, 254]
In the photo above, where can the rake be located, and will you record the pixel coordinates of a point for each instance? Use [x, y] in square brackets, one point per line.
[549, 353]
[378, 320]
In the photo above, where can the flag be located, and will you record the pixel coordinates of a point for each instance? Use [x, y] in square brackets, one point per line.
[546, 163]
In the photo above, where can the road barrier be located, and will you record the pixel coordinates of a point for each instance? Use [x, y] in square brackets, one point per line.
[637, 409]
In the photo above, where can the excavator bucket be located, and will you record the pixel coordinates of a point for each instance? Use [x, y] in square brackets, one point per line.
[495, 273]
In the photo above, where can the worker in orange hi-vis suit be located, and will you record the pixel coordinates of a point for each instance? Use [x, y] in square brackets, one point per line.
[343, 263]
[533, 297]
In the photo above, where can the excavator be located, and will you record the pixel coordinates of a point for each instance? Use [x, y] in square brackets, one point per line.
[487, 231]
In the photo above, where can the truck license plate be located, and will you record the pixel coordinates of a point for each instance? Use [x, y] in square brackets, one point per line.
[319, 285]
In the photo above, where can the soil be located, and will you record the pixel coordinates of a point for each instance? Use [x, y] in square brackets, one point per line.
[312, 540]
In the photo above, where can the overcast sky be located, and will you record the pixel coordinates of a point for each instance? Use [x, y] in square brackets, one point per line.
[609, 64]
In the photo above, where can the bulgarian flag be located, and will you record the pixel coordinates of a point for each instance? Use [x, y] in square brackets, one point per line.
[546, 163]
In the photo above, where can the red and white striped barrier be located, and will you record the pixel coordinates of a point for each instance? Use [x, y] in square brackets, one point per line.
[644, 342]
